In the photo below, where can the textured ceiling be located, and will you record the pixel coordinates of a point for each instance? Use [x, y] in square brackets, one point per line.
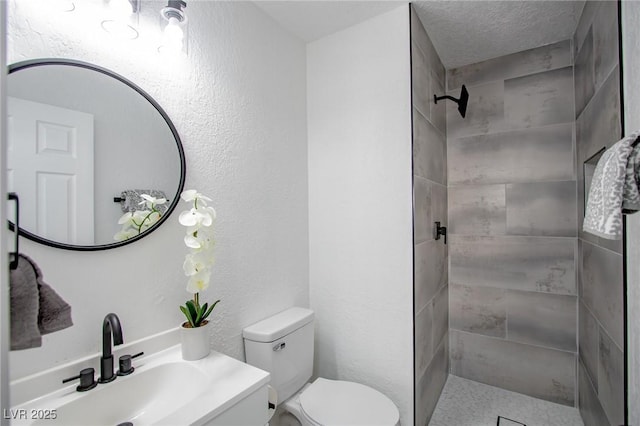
[463, 32]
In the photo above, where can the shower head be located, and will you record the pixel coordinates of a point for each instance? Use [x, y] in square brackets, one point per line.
[462, 102]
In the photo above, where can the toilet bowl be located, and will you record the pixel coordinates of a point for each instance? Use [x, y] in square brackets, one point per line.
[283, 346]
[339, 402]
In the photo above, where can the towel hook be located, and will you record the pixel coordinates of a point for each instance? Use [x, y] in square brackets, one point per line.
[13, 263]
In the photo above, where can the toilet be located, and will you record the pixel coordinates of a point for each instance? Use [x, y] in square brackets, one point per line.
[283, 346]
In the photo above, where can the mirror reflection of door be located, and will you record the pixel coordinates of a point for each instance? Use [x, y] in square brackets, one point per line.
[51, 169]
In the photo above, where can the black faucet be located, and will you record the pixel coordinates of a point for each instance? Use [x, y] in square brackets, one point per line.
[110, 325]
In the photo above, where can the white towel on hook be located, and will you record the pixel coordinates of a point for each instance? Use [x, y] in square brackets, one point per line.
[614, 189]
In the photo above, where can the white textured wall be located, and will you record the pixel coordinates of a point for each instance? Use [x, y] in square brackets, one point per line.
[238, 102]
[360, 205]
[631, 63]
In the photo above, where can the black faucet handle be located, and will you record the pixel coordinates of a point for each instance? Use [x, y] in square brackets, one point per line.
[125, 364]
[87, 380]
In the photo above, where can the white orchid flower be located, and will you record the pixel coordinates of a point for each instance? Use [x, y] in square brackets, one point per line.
[212, 212]
[196, 217]
[191, 242]
[125, 218]
[150, 201]
[196, 262]
[199, 240]
[195, 196]
[199, 281]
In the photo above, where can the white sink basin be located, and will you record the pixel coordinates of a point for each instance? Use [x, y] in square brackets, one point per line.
[163, 389]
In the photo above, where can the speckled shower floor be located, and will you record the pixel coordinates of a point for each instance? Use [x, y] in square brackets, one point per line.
[467, 403]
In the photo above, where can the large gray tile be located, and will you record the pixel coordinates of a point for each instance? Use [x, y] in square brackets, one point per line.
[551, 56]
[542, 208]
[605, 40]
[423, 336]
[590, 407]
[429, 150]
[422, 223]
[440, 315]
[588, 339]
[420, 81]
[429, 386]
[420, 37]
[602, 288]
[430, 265]
[542, 319]
[477, 210]
[479, 310]
[611, 379]
[539, 99]
[438, 111]
[518, 263]
[439, 207]
[540, 154]
[599, 124]
[584, 24]
[485, 111]
[584, 78]
[539, 372]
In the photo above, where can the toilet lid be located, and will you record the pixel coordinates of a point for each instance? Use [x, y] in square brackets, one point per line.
[336, 402]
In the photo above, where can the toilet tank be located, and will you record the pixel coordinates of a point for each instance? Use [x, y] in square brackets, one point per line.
[283, 346]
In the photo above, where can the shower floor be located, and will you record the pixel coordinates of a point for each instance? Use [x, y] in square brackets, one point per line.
[467, 403]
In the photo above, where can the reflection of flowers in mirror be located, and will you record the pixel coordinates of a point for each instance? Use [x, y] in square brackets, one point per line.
[136, 222]
[198, 220]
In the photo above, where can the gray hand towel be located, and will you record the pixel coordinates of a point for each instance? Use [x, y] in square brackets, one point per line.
[25, 304]
[34, 313]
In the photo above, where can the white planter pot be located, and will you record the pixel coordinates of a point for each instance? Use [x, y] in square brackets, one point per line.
[196, 342]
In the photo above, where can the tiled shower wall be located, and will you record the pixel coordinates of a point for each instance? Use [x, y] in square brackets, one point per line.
[597, 91]
[431, 303]
[512, 224]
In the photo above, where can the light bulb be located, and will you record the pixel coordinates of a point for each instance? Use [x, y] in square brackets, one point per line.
[173, 34]
[122, 21]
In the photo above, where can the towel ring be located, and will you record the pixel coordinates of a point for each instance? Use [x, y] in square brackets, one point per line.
[13, 263]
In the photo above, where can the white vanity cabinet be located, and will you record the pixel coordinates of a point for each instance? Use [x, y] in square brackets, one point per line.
[252, 410]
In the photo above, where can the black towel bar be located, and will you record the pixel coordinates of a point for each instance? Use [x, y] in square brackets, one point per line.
[13, 263]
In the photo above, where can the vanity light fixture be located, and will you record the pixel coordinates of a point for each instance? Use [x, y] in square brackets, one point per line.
[122, 20]
[174, 28]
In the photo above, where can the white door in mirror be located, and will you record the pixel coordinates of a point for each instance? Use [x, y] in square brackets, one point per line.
[51, 169]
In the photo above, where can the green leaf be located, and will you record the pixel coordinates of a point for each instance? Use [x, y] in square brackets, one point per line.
[186, 313]
[210, 309]
[201, 311]
[193, 312]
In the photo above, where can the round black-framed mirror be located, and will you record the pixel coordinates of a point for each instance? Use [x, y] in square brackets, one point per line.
[161, 175]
